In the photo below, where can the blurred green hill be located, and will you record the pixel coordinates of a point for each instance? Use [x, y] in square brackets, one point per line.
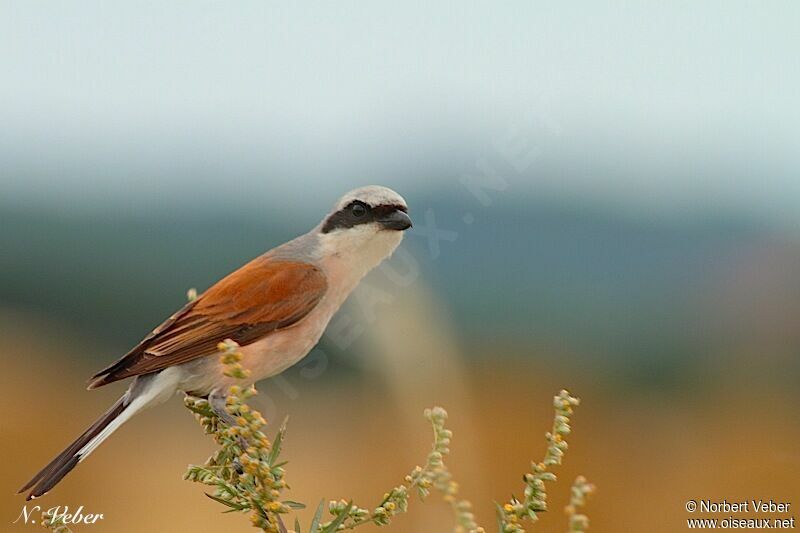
[646, 296]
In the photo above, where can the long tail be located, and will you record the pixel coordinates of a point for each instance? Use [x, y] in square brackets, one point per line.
[144, 392]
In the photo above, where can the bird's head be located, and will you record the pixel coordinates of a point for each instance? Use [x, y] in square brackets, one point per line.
[367, 223]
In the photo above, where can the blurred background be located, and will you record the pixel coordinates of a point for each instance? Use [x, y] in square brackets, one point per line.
[605, 197]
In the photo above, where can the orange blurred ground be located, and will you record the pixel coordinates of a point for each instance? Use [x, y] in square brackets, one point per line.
[356, 438]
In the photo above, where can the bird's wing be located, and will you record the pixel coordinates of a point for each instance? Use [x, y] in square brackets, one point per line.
[263, 296]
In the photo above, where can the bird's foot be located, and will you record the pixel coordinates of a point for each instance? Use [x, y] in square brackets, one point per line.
[218, 404]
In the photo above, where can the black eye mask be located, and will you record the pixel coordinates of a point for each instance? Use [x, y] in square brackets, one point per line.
[357, 212]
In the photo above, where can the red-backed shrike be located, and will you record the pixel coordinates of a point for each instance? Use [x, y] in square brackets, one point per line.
[276, 307]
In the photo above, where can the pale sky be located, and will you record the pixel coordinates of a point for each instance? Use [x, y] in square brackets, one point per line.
[678, 106]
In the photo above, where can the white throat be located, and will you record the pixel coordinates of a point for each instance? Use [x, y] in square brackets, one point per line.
[347, 256]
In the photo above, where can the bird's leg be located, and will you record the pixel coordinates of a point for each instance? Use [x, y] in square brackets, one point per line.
[217, 402]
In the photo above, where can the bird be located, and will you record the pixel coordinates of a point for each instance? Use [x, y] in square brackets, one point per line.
[276, 307]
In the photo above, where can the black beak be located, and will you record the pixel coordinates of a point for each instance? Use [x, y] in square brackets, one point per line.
[397, 220]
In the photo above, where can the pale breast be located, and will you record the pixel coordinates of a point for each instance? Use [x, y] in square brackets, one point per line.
[281, 349]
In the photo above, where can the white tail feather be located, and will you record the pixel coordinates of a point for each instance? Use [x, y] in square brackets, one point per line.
[158, 389]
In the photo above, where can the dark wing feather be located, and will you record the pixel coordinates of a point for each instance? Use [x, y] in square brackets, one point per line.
[263, 296]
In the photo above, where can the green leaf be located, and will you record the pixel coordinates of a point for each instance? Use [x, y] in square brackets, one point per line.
[276, 445]
[334, 526]
[317, 517]
[297, 525]
[294, 505]
[230, 489]
[500, 517]
[232, 505]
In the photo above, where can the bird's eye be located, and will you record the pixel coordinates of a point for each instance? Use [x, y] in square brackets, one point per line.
[358, 210]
